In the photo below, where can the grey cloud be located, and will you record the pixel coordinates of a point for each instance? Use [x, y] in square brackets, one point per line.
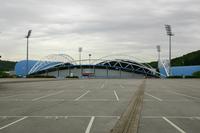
[125, 26]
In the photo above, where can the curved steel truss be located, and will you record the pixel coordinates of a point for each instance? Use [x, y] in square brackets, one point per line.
[51, 61]
[117, 62]
[128, 65]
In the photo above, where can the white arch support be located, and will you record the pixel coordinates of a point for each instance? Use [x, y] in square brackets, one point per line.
[51, 61]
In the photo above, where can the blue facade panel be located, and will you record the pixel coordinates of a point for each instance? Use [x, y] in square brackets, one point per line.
[182, 70]
[20, 67]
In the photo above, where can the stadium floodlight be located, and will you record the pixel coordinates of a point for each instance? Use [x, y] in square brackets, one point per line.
[27, 37]
[29, 34]
[170, 34]
[80, 49]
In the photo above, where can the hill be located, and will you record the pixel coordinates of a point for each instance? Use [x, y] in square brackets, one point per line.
[189, 59]
[7, 65]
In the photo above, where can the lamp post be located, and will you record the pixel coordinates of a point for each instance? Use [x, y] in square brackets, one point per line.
[158, 50]
[27, 52]
[80, 49]
[170, 34]
[90, 58]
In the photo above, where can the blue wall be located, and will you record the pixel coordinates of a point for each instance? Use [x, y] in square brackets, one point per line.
[182, 70]
[20, 67]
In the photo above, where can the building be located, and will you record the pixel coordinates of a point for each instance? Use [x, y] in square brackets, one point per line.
[61, 66]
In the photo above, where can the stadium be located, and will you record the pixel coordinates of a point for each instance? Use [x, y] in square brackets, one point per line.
[62, 66]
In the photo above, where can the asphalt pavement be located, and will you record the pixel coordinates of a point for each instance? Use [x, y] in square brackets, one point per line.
[95, 105]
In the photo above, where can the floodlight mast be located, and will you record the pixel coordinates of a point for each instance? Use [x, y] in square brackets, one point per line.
[80, 49]
[158, 50]
[90, 58]
[170, 34]
[27, 51]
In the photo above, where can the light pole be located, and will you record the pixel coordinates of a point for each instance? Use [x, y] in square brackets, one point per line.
[27, 37]
[170, 34]
[158, 50]
[89, 58]
[80, 49]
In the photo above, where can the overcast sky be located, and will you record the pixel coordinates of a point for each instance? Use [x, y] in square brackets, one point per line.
[101, 27]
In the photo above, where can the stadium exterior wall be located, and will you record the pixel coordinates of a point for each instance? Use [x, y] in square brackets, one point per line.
[95, 73]
[182, 70]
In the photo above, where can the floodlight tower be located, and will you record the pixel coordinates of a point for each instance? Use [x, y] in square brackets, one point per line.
[170, 34]
[80, 49]
[158, 50]
[27, 37]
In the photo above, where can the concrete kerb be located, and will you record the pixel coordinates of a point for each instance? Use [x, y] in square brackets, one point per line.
[129, 120]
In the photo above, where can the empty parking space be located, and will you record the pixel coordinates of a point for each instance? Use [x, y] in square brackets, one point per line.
[175, 124]
[170, 106]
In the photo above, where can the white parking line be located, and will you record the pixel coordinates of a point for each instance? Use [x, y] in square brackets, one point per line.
[1, 128]
[59, 116]
[150, 100]
[99, 100]
[35, 99]
[102, 86]
[172, 117]
[184, 95]
[81, 96]
[90, 125]
[154, 97]
[198, 118]
[175, 126]
[11, 96]
[122, 86]
[69, 100]
[116, 95]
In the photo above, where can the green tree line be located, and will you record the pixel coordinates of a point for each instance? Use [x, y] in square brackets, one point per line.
[189, 59]
[7, 65]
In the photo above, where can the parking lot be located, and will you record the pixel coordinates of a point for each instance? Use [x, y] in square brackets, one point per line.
[78, 106]
[94, 106]
[171, 106]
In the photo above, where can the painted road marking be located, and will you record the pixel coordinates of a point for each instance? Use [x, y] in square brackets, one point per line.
[185, 100]
[172, 117]
[90, 125]
[102, 86]
[184, 95]
[122, 86]
[81, 96]
[116, 95]
[11, 96]
[1, 128]
[198, 118]
[154, 97]
[59, 116]
[175, 126]
[35, 99]
[70, 100]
